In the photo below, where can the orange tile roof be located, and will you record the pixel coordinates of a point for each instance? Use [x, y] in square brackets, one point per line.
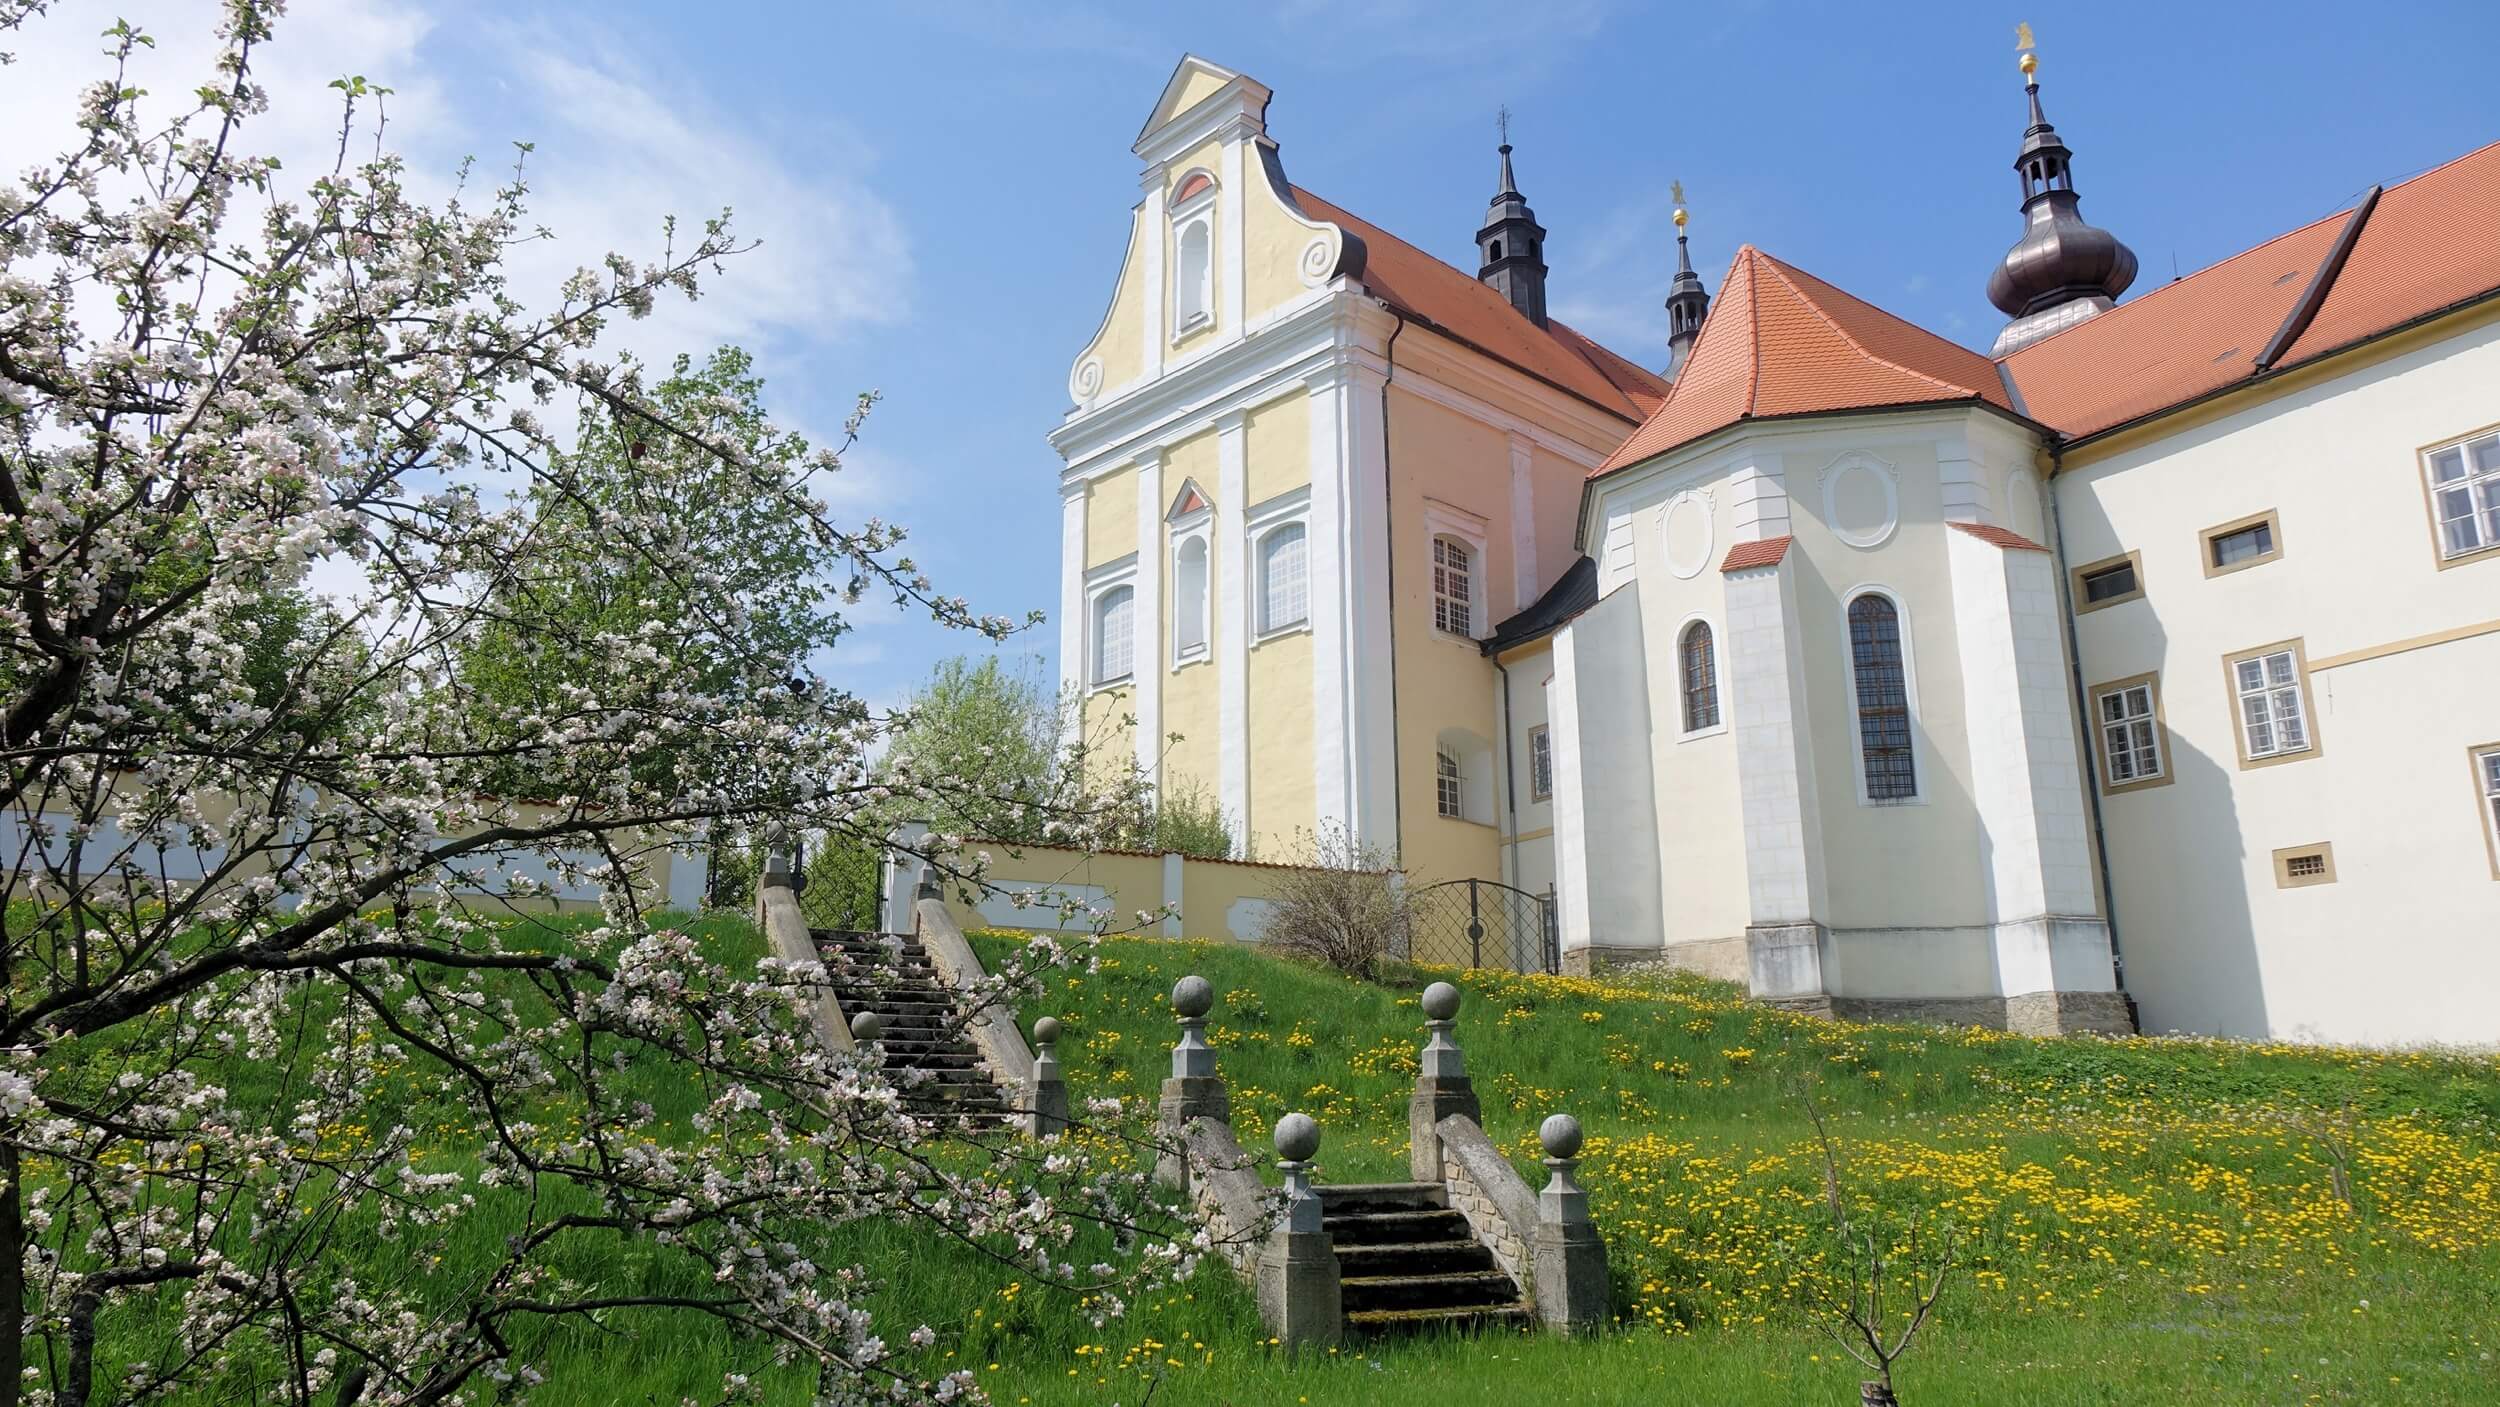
[2006, 538]
[1764, 552]
[1455, 303]
[2431, 243]
[1782, 342]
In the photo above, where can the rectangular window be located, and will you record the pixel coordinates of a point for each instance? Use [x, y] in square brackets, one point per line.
[2465, 495]
[1541, 765]
[2298, 866]
[2108, 582]
[2243, 543]
[2487, 788]
[1445, 781]
[2270, 687]
[2127, 726]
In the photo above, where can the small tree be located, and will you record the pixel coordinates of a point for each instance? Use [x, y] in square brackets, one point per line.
[1342, 908]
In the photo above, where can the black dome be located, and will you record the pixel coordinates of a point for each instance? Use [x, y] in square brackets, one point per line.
[2060, 257]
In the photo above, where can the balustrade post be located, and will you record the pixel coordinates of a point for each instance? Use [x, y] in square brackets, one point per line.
[1441, 1085]
[1194, 1090]
[1301, 1297]
[1571, 1285]
[1046, 1099]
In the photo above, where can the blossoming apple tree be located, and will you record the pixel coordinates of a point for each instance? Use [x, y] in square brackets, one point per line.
[274, 1062]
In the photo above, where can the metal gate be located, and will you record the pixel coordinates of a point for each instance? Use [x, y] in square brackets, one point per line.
[1482, 923]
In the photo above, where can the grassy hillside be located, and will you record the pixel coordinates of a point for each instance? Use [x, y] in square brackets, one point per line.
[2158, 1220]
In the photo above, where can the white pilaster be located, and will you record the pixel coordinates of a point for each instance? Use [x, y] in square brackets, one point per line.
[1156, 233]
[1963, 477]
[1234, 198]
[1758, 504]
[1331, 603]
[1072, 585]
[1371, 727]
[1232, 630]
[1571, 835]
[1775, 775]
[1526, 579]
[1148, 632]
[1172, 887]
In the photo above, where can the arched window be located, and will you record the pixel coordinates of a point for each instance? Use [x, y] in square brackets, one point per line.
[1115, 649]
[1452, 587]
[1883, 698]
[1189, 598]
[1701, 678]
[1193, 279]
[1284, 579]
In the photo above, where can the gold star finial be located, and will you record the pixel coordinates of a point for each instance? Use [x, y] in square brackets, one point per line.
[1675, 190]
[2023, 45]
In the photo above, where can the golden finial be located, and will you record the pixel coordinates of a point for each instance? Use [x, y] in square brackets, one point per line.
[1676, 190]
[2024, 45]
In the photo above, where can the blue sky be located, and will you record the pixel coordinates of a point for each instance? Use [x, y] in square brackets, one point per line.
[942, 189]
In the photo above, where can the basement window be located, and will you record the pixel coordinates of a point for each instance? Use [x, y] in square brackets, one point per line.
[2303, 865]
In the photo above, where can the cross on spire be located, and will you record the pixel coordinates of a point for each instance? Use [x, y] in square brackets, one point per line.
[1501, 119]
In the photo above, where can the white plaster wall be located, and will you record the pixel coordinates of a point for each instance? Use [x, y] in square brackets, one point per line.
[1528, 862]
[2405, 946]
[1617, 802]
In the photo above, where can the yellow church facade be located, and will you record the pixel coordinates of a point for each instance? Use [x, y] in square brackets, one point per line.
[1307, 469]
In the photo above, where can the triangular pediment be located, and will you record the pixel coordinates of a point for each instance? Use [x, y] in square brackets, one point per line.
[1194, 83]
[1189, 502]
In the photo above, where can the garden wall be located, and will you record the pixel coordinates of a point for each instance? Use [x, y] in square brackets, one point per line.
[1204, 898]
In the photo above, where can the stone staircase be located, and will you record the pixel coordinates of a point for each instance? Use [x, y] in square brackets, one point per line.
[1409, 1262]
[891, 975]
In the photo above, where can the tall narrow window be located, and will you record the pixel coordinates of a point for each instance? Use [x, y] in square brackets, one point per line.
[2465, 495]
[1541, 764]
[2274, 704]
[1448, 798]
[1115, 649]
[1452, 587]
[1193, 279]
[1701, 678]
[1284, 579]
[1883, 690]
[2487, 779]
[1189, 599]
[2130, 734]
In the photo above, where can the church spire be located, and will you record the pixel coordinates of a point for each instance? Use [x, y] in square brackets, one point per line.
[2063, 270]
[1688, 303]
[1512, 243]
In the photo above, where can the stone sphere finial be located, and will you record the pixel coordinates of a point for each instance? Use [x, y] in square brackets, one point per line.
[867, 1026]
[1297, 1137]
[1046, 1031]
[1441, 1001]
[1193, 996]
[1560, 1133]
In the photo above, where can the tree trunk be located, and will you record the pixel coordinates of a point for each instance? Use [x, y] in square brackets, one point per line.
[1876, 1395]
[12, 1278]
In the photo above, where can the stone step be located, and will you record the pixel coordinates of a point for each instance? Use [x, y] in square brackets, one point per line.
[1398, 1228]
[1458, 1319]
[1414, 1258]
[1456, 1289]
[1342, 1197]
[934, 1060]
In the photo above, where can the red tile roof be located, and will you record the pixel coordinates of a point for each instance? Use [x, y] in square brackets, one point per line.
[2006, 538]
[2428, 244]
[1782, 342]
[1426, 289]
[1765, 552]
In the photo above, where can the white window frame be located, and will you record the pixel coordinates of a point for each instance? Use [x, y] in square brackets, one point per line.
[1718, 677]
[1289, 509]
[1196, 526]
[1194, 215]
[1475, 534]
[1461, 603]
[1541, 763]
[2481, 488]
[1449, 783]
[2271, 691]
[2150, 718]
[2486, 759]
[1100, 583]
[1919, 761]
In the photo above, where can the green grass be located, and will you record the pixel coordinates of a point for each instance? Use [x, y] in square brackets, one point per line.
[2156, 1225]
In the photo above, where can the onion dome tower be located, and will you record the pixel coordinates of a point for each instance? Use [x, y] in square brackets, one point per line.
[1512, 244]
[1688, 303]
[2063, 270]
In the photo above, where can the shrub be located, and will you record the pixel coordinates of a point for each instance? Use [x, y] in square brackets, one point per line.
[1344, 909]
